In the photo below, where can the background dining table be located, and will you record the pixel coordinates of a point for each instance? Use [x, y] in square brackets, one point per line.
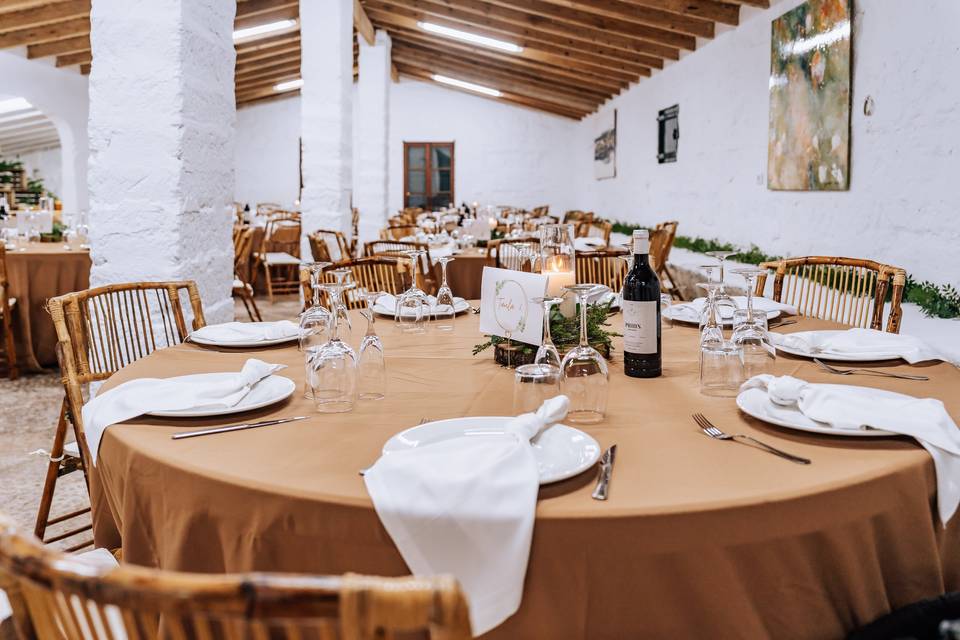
[39, 271]
[699, 538]
[465, 273]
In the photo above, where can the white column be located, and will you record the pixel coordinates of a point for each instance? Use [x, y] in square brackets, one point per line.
[326, 99]
[161, 144]
[373, 133]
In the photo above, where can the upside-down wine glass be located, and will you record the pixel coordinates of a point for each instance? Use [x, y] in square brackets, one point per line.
[412, 303]
[333, 366]
[444, 307]
[711, 324]
[371, 369]
[750, 331]
[584, 374]
[314, 321]
[343, 275]
[723, 298]
[547, 354]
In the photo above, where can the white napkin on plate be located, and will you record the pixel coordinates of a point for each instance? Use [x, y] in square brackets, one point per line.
[137, 397]
[465, 506]
[858, 342]
[924, 419]
[588, 244]
[247, 331]
[690, 311]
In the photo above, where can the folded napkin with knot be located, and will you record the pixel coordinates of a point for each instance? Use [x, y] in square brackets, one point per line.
[924, 419]
[465, 506]
[862, 342]
[137, 397]
[690, 311]
[247, 331]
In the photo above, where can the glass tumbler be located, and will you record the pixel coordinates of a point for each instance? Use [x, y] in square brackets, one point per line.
[532, 385]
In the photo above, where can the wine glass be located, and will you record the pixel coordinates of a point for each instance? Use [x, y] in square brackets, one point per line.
[412, 303]
[584, 374]
[444, 307]
[371, 369]
[750, 331]
[711, 327]
[547, 354]
[332, 367]
[723, 298]
[339, 306]
[315, 320]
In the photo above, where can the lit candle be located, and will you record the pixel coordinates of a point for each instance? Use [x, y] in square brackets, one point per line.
[559, 276]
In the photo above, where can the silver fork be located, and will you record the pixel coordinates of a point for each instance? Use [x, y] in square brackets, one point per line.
[866, 372]
[708, 428]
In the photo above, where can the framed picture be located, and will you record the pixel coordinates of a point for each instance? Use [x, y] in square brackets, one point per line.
[809, 138]
[605, 147]
[668, 125]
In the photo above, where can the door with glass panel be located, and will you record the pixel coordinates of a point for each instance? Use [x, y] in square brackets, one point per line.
[428, 174]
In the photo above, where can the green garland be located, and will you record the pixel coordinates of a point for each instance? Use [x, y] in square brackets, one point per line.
[936, 301]
[566, 331]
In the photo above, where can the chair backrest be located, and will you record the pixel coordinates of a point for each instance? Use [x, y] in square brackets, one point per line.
[539, 212]
[243, 254]
[354, 231]
[329, 246]
[850, 291]
[399, 248]
[4, 280]
[578, 216]
[595, 229]
[602, 267]
[283, 236]
[509, 254]
[379, 273]
[398, 231]
[54, 595]
[669, 230]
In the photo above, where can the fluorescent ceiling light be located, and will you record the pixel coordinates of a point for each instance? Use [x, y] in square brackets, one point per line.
[289, 85]
[470, 37]
[14, 104]
[263, 29]
[469, 86]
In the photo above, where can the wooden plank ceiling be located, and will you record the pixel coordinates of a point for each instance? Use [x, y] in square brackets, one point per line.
[575, 54]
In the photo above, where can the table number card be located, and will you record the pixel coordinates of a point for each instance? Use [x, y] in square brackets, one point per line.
[506, 306]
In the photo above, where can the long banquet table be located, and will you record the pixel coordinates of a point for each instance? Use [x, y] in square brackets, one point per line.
[700, 538]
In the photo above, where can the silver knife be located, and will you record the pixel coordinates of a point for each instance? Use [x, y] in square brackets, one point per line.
[236, 427]
[606, 470]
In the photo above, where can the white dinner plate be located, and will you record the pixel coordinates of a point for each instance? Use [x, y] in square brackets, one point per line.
[241, 343]
[670, 314]
[459, 306]
[833, 355]
[756, 403]
[268, 391]
[561, 451]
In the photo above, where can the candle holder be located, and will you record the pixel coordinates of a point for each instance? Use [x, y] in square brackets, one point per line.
[558, 261]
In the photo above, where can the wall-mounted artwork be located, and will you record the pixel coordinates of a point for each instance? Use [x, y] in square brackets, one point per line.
[605, 146]
[809, 145]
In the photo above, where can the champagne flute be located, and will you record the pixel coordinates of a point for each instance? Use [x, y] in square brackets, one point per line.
[371, 368]
[444, 308]
[547, 354]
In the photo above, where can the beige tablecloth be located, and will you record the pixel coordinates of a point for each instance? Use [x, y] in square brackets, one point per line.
[44, 270]
[700, 538]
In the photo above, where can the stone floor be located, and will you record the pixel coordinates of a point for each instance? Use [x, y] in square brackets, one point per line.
[29, 408]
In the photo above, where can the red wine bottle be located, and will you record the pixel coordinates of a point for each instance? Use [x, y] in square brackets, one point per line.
[642, 356]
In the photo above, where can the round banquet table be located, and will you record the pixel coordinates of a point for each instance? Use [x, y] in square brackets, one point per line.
[465, 274]
[42, 270]
[700, 538]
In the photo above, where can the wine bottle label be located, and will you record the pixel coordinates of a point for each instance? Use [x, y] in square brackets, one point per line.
[640, 326]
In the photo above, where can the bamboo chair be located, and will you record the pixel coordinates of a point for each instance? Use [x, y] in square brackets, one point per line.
[595, 229]
[379, 273]
[264, 208]
[7, 305]
[399, 248]
[100, 331]
[850, 291]
[661, 243]
[602, 267]
[508, 255]
[242, 255]
[539, 212]
[280, 255]
[398, 231]
[575, 216]
[54, 595]
[354, 231]
[329, 246]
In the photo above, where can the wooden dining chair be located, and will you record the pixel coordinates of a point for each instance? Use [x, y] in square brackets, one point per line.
[606, 267]
[398, 231]
[55, 595]
[327, 245]
[354, 231]
[100, 331]
[378, 273]
[242, 287]
[265, 208]
[850, 291]
[508, 254]
[280, 255]
[661, 243]
[595, 229]
[7, 305]
[399, 248]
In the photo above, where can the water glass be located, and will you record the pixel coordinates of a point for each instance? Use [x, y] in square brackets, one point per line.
[533, 384]
[721, 368]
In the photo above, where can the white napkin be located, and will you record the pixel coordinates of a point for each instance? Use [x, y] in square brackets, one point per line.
[465, 506]
[690, 311]
[137, 397]
[247, 331]
[588, 244]
[924, 419]
[863, 342]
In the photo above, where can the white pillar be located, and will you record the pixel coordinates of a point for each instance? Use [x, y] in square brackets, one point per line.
[373, 133]
[326, 44]
[161, 144]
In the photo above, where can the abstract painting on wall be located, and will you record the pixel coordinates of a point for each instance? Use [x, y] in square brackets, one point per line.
[605, 147]
[809, 145]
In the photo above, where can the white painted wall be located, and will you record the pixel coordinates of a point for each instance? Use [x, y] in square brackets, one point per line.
[504, 154]
[904, 201]
[47, 165]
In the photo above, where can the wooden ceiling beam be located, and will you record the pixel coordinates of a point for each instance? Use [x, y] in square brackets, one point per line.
[361, 22]
[44, 33]
[715, 10]
[247, 66]
[260, 44]
[267, 97]
[81, 57]
[288, 12]
[288, 67]
[266, 81]
[59, 47]
[638, 14]
[18, 5]
[85, 69]
[44, 14]
[409, 17]
[270, 53]
[251, 8]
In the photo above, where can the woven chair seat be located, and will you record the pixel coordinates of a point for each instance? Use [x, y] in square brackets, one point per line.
[274, 258]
